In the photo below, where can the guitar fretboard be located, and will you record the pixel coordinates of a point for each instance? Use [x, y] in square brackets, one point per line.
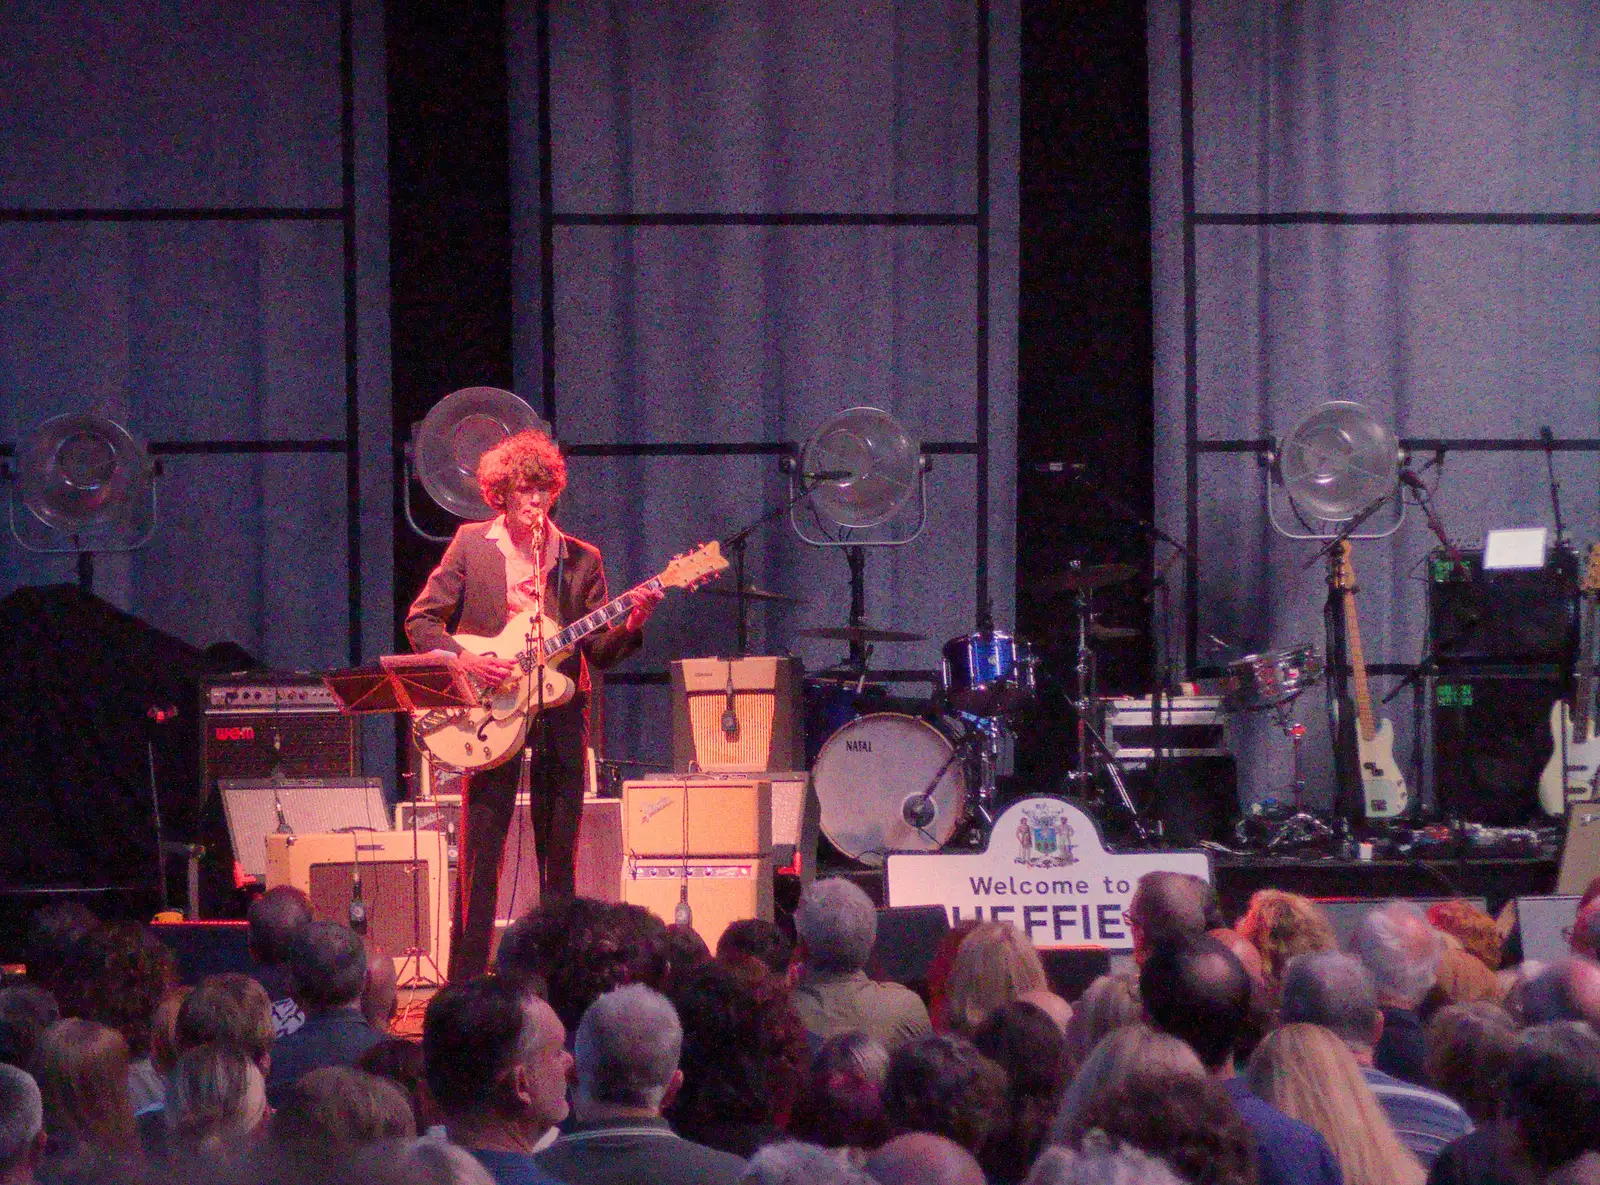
[612, 611]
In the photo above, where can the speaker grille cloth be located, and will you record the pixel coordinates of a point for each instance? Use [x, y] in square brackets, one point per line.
[390, 889]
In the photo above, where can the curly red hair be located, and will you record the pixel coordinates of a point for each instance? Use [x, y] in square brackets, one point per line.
[527, 459]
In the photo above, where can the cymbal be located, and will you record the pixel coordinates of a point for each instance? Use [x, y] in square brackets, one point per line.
[862, 633]
[753, 593]
[1111, 633]
[1087, 578]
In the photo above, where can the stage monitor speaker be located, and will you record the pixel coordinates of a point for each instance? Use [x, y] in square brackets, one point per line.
[206, 948]
[908, 938]
[1580, 855]
[766, 704]
[1071, 969]
[405, 889]
[1517, 617]
[721, 892]
[1491, 739]
[1545, 924]
[309, 805]
[1345, 913]
[725, 816]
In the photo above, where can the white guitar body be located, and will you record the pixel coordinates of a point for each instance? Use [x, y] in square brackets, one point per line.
[1574, 765]
[1383, 786]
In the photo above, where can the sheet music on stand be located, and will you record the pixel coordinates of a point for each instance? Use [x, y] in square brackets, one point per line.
[403, 683]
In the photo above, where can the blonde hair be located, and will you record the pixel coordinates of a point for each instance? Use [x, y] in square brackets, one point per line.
[1309, 1074]
[1110, 1003]
[215, 1094]
[1282, 925]
[994, 965]
[1135, 1048]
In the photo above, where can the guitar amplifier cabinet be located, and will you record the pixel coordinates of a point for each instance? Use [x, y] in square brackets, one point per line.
[288, 729]
[720, 891]
[1513, 617]
[1491, 739]
[309, 804]
[766, 702]
[695, 815]
[404, 887]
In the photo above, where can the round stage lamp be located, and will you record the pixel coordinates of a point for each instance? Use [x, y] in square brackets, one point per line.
[83, 473]
[458, 430]
[1338, 461]
[876, 463]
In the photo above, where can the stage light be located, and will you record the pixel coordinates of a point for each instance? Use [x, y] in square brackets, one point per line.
[445, 448]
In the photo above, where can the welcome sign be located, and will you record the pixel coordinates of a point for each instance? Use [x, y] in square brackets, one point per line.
[1045, 872]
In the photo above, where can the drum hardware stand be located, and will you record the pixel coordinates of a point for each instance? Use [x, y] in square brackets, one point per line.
[423, 968]
[1083, 775]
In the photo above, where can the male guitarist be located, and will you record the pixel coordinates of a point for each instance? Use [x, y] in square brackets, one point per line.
[520, 561]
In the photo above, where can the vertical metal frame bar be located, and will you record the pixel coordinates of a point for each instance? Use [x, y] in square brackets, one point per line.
[981, 393]
[352, 402]
[1191, 390]
[547, 222]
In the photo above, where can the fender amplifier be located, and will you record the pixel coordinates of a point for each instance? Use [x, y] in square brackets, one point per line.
[720, 891]
[764, 696]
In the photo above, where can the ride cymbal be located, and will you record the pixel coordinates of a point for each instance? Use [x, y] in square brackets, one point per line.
[1087, 578]
[860, 634]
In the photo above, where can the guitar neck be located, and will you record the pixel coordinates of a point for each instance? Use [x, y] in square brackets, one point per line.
[1584, 680]
[608, 614]
[1358, 659]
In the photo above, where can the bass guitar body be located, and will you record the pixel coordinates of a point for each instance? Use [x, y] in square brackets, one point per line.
[1574, 765]
[1382, 784]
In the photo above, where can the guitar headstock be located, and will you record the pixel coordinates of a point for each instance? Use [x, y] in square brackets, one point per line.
[1341, 572]
[1591, 571]
[697, 566]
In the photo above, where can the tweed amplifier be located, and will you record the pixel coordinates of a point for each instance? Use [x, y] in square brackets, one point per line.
[720, 891]
[737, 715]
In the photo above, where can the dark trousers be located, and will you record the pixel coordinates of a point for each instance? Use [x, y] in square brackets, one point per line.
[557, 806]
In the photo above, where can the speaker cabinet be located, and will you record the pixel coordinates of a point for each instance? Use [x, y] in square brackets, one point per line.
[721, 892]
[697, 816]
[405, 888]
[1580, 857]
[1491, 736]
[308, 804]
[1478, 617]
[766, 704]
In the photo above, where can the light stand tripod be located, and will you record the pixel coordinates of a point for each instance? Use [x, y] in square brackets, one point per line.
[417, 967]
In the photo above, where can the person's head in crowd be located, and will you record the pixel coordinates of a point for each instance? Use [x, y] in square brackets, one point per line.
[606, 948]
[1584, 938]
[232, 1009]
[1281, 925]
[1246, 951]
[1262, 1014]
[496, 1061]
[380, 997]
[417, 1162]
[995, 965]
[1101, 1162]
[26, 1011]
[1461, 979]
[1591, 892]
[534, 944]
[116, 975]
[1567, 989]
[940, 1083]
[1132, 1049]
[1185, 1119]
[83, 1078]
[400, 1061]
[275, 918]
[939, 967]
[757, 939]
[1167, 906]
[53, 931]
[791, 1162]
[22, 1134]
[1024, 1042]
[626, 1053]
[1196, 990]
[1468, 1050]
[1110, 1003]
[1335, 991]
[687, 952]
[216, 1095]
[1401, 951]
[1552, 1093]
[1472, 927]
[924, 1158]
[164, 1047]
[1309, 1074]
[744, 1051]
[836, 925]
[340, 1106]
[841, 1103]
[329, 965]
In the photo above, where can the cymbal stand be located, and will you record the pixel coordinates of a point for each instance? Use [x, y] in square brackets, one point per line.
[1083, 705]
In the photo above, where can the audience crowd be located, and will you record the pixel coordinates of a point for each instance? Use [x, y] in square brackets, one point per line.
[607, 1048]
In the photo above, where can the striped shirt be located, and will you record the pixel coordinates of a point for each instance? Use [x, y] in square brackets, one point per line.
[1424, 1119]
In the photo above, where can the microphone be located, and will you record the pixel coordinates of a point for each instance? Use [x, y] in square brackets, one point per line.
[358, 907]
[1548, 437]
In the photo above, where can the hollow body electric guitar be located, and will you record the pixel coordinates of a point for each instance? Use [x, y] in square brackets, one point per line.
[493, 731]
[1384, 794]
[1573, 771]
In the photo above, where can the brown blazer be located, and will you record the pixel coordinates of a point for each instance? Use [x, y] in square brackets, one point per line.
[466, 593]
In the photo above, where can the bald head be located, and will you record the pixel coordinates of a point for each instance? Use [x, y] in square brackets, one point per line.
[1245, 951]
[922, 1159]
[1168, 906]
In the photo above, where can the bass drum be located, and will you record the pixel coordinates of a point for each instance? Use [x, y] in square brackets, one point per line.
[870, 778]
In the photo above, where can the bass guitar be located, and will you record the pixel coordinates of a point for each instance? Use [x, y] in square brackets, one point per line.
[1573, 770]
[491, 732]
[1383, 787]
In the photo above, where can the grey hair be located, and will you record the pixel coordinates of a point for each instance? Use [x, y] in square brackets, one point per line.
[1332, 990]
[21, 1114]
[1100, 1164]
[838, 924]
[627, 1047]
[795, 1163]
[1401, 951]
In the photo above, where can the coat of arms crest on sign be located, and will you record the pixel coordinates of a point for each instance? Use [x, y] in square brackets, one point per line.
[1044, 838]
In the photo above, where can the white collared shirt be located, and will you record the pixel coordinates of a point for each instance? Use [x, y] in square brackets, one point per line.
[524, 586]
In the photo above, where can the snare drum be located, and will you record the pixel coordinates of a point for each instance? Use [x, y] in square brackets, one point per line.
[1270, 678]
[988, 674]
[870, 778]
